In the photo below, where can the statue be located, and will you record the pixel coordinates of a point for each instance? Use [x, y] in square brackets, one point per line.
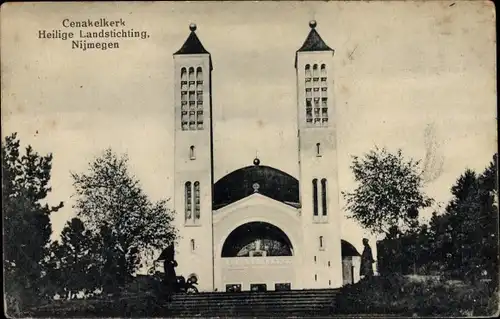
[169, 264]
[366, 269]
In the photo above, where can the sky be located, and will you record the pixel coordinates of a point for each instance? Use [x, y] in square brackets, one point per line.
[416, 76]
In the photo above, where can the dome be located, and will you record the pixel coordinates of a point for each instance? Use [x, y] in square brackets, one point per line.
[265, 180]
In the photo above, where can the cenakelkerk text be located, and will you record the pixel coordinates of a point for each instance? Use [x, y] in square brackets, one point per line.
[95, 30]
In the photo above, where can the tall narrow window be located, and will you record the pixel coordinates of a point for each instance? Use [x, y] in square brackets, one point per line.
[318, 149]
[193, 245]
[314, 259]
[321, 242]
[308, 70]
[323, 70]
[196, 200]
[188, 199]
[191, 74]
[315, 277]
[315, 197]
[183, 75]
[191, 153]
[323, 196]
[315, 71]
[199, 75]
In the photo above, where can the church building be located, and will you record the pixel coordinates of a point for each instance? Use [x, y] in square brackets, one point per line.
[259, 228]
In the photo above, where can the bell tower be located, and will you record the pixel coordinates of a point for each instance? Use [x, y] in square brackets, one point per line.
[193, 161]
[319, 194]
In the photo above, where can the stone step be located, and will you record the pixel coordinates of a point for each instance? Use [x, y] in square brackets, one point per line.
[255, 306]
[255, 298]
[246, 304]
[239, 296]
[298, 303]
[274, 304]
[253, 313]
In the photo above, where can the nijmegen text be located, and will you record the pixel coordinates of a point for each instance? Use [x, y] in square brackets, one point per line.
[85, 45]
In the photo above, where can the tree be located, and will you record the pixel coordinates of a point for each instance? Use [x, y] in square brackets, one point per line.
[76, 260]
[467, 233]
[463, 211]
[27, 227]
[488, 220]
[112, 204]
[389, 192]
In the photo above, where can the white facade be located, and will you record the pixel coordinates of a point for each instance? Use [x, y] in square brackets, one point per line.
[312, 226]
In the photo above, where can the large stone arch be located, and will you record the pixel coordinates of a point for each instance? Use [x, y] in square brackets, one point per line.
[261, 209]
[257, 236]
[257, 208]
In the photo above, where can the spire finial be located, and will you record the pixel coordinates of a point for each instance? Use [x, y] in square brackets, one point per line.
[312, 24]
[192, 27]
[256, 161]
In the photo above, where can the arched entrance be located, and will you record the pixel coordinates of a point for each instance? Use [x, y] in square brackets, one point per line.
[257, 256]
[257, 239]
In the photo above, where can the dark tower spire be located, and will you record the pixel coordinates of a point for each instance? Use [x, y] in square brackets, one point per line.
[313, 42]
[193, 45]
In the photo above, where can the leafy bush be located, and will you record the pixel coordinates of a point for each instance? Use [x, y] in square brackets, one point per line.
[402, 296]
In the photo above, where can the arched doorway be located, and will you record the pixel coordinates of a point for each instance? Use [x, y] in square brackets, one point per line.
[351, 260]
[257, 256]
[257, 239]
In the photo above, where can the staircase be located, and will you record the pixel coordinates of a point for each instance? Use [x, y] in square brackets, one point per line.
[293, 303]
[270, 304]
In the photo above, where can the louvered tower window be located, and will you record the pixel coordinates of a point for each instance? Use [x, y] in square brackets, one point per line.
[316, 94]
[308, 88]
[199, 98]
[184, 100]
[192, 99]
[324, 95]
